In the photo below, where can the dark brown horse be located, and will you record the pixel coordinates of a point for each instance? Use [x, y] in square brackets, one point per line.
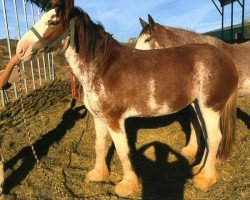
[120, 82]
[156, 36]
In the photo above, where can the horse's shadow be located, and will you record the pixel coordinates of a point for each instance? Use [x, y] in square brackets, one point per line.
[160, 178]
[69, 118]
[244, 117]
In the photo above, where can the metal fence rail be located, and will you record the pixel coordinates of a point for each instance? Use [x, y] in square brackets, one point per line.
[38, 71]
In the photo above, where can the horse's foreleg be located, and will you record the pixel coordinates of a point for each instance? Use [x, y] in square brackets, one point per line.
[206, 169]
[130, 183]
[100, 171]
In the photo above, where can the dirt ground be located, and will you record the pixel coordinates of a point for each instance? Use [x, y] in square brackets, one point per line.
[63, 135]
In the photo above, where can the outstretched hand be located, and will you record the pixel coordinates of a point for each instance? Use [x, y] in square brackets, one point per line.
[5, 75]
[17, 58]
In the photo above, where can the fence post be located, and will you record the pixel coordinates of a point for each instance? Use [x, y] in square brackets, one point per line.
[37, 58]
[8, 38]
[27, 29]
[19, 37]
[51, 72]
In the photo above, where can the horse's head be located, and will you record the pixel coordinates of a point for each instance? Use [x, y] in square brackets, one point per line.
[48, 34]
[148, 36]
[153, 35]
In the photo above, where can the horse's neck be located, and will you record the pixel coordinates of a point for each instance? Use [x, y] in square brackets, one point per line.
[87, 71]
[188, 37]
[82, 70]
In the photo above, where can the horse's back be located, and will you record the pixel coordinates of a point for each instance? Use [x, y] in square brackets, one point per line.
[173, 77]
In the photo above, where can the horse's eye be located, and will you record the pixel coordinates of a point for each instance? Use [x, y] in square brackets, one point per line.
[53, 24]
[148, 40]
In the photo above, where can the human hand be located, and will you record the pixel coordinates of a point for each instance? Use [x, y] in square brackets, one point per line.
[17, 58]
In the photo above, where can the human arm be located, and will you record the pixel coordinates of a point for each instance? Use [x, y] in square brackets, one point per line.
[5, 75]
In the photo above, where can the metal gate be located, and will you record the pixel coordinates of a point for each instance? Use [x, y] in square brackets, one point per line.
[16, 17]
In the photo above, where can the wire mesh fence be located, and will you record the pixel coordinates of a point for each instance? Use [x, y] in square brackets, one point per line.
[17, 17]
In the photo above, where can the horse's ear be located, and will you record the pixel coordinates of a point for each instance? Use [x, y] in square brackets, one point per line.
[150, 20]
[143, 23]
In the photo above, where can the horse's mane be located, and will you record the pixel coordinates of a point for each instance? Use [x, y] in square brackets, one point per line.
[88, 32]
[192, 34]
[186, 30]
[187, 36]
[174, 30]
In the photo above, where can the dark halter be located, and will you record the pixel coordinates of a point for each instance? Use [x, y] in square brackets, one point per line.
[70, 32]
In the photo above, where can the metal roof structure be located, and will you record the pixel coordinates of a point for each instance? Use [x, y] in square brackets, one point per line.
[223, 3]
[226, 2]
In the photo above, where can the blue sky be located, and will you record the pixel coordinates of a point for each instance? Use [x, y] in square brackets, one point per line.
[120, 17]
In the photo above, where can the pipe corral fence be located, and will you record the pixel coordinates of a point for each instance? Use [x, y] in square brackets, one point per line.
[22, 15]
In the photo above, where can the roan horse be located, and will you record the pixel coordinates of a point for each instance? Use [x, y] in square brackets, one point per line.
[156, 36]
[120, 82]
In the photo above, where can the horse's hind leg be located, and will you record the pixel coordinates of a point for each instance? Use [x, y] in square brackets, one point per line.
[100, 171]
[210, 123]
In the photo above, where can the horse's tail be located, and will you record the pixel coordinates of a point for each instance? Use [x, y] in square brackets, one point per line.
[227, 127]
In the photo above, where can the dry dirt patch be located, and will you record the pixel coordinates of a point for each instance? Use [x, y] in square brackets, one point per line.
[63, 134]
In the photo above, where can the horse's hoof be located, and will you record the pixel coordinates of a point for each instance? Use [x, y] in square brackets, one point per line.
[188, 151]
[100, 175]
[127, 188]
[196, 169]
[203, 181]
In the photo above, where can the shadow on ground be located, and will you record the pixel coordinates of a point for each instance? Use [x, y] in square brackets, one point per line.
[160, 177]
[243, 116]
[69, 118]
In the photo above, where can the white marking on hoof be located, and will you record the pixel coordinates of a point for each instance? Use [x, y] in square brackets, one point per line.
[204, 181]
[97, 175]
[127, 188]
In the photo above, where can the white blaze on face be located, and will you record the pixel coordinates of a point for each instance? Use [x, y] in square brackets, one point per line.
[29, 39]
[141, 44]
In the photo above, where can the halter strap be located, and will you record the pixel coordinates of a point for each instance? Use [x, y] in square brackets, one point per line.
[70, 32]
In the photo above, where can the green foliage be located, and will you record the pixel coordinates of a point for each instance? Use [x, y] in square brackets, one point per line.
[247, 29]
[131, 42]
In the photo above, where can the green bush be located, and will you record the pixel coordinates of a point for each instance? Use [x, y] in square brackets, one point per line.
[247, 29]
